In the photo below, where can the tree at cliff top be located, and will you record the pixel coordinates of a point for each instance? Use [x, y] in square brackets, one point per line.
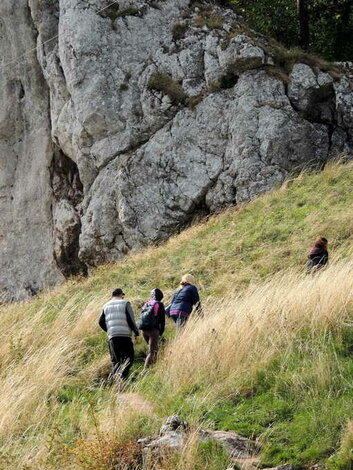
[329, 29]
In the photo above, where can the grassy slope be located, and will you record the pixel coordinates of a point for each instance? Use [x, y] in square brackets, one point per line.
[52, 355]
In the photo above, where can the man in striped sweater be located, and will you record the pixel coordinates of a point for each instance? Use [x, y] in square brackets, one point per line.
[117, 319]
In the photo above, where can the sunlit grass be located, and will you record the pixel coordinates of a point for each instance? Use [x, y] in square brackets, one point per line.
[272, 341]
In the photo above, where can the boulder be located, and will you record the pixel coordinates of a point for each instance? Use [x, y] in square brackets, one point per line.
[312, 92]
[174, 433]
[238, 447]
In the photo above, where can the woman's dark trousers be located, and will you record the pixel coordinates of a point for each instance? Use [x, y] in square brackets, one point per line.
[151, 337]
[122, 355]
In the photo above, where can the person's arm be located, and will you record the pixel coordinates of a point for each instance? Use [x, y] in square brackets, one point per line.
[195, 296]
[130, 319]
[161, 314]
[325, 258]
[102, 323]
[196, 301]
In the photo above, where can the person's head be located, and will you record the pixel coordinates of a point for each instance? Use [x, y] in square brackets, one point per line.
[321, 242]
[187, 279]
[118, 293]
[157, 294]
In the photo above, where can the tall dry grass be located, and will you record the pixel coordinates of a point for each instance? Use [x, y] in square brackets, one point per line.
[234, 339]
[238, 336]
[38, 355]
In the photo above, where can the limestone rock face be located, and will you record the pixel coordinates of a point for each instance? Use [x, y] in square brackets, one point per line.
[128, 120]
[27, 261]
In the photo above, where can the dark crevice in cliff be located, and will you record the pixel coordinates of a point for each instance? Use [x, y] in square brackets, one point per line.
[65, 178]
[200, 210]
[68, 194]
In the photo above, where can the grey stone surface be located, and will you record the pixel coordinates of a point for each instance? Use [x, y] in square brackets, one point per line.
[27, 261]
[237, 447]
[95, 163]
[174, 433]
[312, 92]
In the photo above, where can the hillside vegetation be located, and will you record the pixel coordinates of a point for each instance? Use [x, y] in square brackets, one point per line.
[272, 358]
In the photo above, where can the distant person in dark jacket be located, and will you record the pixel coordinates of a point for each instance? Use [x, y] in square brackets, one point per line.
[183, 301]
[117, 319]
[318, 255]
[152, 323]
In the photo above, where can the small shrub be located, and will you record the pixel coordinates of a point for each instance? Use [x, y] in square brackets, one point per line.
[287, 58]
[105, 454]
[211, 21]
[179, 31]
[214, 22]
[123, 87]
[199, 21]
[165, 84]
[193, 101]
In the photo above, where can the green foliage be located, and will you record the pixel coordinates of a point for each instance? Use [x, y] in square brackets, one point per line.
[296, 419]
[212, 456]
[92, 348]
[331, 24]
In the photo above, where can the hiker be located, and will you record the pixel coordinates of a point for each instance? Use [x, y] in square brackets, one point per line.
[184, 299]
[318, 255]
[117, 319]
[152, 323]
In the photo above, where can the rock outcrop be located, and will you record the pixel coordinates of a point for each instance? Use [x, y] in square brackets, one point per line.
[175, 432]
[121, 122]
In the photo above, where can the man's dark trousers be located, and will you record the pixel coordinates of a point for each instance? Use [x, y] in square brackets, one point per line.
[122, 355]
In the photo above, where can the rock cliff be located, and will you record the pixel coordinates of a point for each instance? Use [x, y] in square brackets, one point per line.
[120, 122]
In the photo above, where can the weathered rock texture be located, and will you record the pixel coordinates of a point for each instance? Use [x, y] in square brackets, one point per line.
[175, 432]
[128, 120]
